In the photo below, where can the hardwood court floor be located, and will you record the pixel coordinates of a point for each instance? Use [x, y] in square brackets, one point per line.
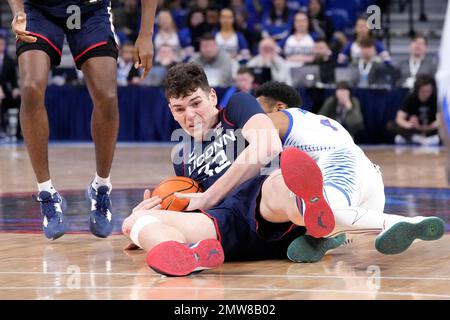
[80, 266]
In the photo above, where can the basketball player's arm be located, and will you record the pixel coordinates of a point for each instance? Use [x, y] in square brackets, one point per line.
[281, 122]
[19, 23]
[16, 6]
[143, 55]
[264, 144]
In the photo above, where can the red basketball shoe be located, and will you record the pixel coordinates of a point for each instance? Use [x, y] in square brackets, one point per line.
[173, 258]
[303, 177]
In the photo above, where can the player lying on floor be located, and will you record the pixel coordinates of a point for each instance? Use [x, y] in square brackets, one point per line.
[248, 215]
[353, 185]
[225, 153]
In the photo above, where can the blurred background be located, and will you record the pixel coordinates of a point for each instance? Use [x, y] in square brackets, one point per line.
[370, 68]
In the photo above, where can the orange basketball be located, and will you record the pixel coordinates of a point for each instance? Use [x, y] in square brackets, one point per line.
[166, 189]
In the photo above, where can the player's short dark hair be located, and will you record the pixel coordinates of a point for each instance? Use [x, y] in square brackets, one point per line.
[279, 91]
[183, 79]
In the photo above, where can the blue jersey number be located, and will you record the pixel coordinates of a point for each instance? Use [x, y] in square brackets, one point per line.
[327, 123]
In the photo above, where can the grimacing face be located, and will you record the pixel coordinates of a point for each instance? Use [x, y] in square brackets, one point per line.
[195, 113]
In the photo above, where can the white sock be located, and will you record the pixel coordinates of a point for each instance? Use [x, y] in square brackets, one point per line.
[99, 181]
[360, 220]
[46, 186]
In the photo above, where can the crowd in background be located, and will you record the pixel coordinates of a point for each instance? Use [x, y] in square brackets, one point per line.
[243, 43]
[281, 35]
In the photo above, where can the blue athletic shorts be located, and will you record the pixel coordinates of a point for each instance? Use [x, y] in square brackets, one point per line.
[48, 22]
[243, 233]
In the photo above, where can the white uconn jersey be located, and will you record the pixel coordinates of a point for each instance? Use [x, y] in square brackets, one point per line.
[315, 134]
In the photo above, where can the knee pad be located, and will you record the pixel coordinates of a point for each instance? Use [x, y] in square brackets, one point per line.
[140, 224]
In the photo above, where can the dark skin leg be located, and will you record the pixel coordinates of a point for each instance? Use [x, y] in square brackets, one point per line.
[34, 67]
[100, 74]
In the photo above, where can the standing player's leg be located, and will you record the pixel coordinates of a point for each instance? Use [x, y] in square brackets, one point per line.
[100, 74]
[35, 60]
[34, 68]
[95, 52]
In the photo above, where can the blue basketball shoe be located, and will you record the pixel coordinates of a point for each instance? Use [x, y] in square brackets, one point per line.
[100, 219]
[52, 211]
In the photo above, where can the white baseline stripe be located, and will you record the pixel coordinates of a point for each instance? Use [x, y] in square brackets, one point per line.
[240, 289]
[227, 275]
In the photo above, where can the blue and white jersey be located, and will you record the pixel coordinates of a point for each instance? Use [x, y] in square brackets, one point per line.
[344, 165]
[315, 134]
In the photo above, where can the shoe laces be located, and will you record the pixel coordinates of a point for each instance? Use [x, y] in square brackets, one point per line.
[48, 205]
[102, 203]
[348, 242]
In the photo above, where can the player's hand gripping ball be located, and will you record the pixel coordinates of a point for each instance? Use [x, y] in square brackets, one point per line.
[166, 189]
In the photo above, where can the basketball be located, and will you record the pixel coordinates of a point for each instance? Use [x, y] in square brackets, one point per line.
[166, 189]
